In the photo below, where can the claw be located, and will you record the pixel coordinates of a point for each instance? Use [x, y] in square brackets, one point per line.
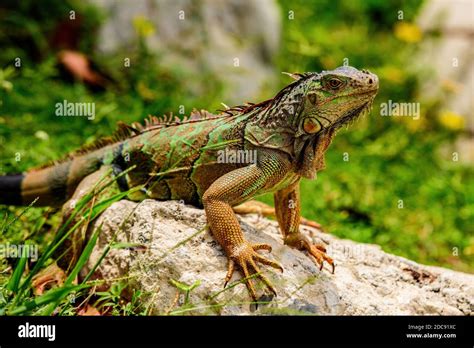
[262, 277]
[316, 251]
[230, 272]
[320, 247]
[269, 262]
[248, 282]
[247, 257]
[319, 253]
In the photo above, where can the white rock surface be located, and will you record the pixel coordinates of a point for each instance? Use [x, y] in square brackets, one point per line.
[367, 280]
[235, 40]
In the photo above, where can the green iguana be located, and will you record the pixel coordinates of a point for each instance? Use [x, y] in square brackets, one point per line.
[194, 160]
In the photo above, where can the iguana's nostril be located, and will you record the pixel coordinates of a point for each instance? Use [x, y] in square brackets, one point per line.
[370, 81]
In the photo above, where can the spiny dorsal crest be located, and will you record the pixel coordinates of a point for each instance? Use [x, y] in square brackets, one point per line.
[126, 131]
[288, 101]
[297, 76]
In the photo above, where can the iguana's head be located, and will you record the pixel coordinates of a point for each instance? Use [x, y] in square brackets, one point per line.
[331, 99]
[304, 116]
[334, 98]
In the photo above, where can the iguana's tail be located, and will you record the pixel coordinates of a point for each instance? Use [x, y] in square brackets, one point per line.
[52, 185]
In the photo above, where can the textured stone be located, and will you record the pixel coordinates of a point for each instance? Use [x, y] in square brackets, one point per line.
[197, 36]
[367, 280]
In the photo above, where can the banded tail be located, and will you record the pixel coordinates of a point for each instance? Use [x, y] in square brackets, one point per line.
[10, 189]
[52, 185]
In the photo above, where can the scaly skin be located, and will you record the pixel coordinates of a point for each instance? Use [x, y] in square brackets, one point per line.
[183, 160]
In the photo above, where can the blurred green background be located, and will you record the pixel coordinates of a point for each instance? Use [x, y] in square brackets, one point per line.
[390, 158]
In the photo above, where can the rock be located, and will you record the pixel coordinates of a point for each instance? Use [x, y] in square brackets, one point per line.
[170, 241]
[450, 55]
[234, 40]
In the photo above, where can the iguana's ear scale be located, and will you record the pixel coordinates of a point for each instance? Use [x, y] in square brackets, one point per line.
[313, 98]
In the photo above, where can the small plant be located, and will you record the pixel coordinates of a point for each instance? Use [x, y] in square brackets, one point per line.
[17, 293]
[186, 289]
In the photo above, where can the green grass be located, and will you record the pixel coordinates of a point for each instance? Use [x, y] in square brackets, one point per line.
[17, 293]
[390, 158]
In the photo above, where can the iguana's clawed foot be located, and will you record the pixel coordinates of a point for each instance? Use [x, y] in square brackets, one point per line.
[317, 251]
[246, 257]
[311, 223]
[263, 209]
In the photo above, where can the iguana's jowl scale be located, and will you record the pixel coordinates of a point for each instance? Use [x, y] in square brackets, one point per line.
[175, 159]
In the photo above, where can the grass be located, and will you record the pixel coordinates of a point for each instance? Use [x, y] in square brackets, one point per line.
[18, 294]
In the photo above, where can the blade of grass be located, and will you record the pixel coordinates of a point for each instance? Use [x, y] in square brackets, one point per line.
[18, 272]
[54, 295]
[56, 243]
[104, 204]
[84, 256]
[77, 268]
[232, 285]
[15, 218]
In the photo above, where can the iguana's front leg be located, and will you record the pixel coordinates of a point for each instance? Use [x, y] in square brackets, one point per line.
[234, 188]
[287, 209]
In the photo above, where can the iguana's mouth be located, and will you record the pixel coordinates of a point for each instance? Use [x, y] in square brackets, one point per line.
[372, 91]
[352, 115]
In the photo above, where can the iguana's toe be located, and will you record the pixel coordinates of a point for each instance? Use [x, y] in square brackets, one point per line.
[317, 252]
[246, 257]
[311, 223]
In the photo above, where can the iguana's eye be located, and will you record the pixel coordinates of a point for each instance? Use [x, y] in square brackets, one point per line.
[334, 83]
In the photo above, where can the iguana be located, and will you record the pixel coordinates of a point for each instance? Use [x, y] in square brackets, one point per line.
[183, 160]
